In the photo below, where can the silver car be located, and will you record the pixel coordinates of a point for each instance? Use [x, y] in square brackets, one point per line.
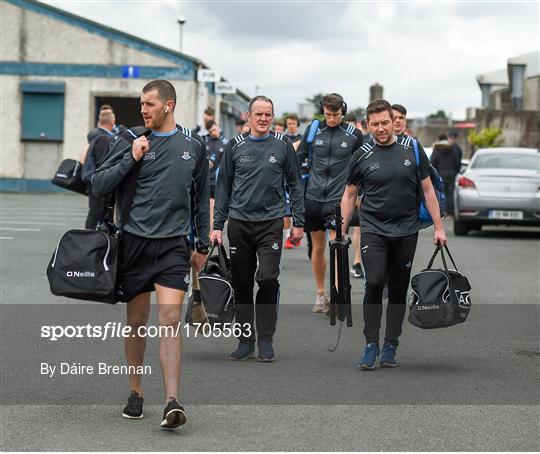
[500, 186]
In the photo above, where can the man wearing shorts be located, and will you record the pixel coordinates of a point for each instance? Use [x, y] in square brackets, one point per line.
[333, 146]
[155, 255]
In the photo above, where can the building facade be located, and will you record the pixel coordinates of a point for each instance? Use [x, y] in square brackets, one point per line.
[57, 69]
[511, 101]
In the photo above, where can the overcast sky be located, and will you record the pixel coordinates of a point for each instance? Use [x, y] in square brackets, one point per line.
[425, 54]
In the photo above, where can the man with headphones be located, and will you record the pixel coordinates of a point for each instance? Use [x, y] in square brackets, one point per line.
[332, 148]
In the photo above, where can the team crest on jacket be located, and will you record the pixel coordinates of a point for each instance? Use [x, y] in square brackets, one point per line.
[407, 162]
[186, 156]
[344, 145]
[272, 158]
[275, 246]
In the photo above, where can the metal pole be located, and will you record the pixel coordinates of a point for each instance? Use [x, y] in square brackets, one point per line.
[181, 22]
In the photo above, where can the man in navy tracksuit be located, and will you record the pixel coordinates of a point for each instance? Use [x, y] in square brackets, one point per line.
[251, 196]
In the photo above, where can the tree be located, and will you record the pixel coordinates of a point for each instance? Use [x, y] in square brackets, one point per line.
[439, 114]
[316, 101]
[486, 138]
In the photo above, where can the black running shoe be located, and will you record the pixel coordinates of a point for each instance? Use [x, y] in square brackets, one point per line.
[357, 271]
[173, 415]
[133, 409]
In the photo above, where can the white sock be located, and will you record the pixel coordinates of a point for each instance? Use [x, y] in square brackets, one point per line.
[286, 232]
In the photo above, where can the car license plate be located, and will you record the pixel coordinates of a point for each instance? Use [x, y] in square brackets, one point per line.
[511, 215]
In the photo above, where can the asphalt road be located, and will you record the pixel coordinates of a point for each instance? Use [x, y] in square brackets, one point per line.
[468, 387]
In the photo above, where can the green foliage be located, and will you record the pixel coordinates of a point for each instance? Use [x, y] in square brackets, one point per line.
[439, 114]
[316, 101]
[487, 138]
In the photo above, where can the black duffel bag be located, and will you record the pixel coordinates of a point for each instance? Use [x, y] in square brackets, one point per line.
[440, 297]
[84, 266]
[68, 176]
[217, 294]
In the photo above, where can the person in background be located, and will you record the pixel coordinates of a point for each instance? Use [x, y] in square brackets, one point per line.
[208, 114]
[246, 128]
[215, 147]
[448, 163]
[97, 150]
[452, 140]
[279, 127]
[356, 270]
[238, 126]
[293, 123]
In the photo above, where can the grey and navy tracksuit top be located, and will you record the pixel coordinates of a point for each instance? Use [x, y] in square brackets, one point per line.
[173, 178]
[252, 177]
[332, 152]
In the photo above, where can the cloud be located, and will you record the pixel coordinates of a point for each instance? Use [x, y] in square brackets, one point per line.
[425, 54]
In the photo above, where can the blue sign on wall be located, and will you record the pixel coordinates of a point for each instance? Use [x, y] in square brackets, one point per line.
[130, 72]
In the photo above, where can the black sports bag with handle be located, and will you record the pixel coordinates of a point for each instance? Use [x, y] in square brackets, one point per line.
[440, 297]
[217, 294]
[68, 176]
[84, 264]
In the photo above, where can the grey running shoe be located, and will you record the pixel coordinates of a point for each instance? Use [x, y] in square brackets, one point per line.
[322, 303]
[266, 351]
[245, 350]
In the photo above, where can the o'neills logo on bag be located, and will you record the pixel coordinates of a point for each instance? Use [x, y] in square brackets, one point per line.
[428, 308]
[80, 274]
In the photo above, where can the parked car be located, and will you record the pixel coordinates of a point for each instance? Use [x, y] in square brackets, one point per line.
[500, 186]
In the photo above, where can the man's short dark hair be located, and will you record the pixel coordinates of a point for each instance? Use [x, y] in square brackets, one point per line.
[453, 134]
[400, 109]
[105, 107]
[350, 117]
[259, 98]
[378, 106]
[239, 122]
[293, 117]
[210, 111]
[333, 102]
[279, 123]
[442, 137]
[164, 89]
[209, 124]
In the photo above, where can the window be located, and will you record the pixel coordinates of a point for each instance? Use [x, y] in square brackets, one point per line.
[42, 111]
[507, 161]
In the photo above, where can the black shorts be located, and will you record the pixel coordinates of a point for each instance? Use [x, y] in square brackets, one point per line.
[319, 215]
[212, 191]
[148, 261]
